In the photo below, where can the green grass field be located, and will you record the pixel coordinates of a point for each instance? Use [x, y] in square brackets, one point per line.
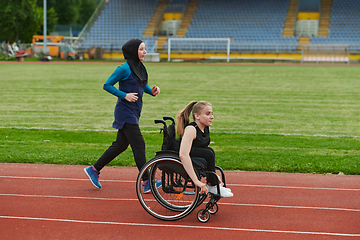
[267, 118]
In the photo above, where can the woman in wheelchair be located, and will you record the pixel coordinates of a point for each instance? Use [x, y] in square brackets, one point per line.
[195, 140]
[179, 166]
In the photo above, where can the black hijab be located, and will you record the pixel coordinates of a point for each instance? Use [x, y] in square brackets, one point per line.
[130, 51]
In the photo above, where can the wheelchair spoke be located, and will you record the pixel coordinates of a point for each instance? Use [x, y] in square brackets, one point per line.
[175, 198]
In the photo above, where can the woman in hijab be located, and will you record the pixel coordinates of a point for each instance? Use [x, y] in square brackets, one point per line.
[133, 82]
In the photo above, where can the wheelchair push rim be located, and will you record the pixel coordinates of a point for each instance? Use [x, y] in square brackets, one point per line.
[172, 200]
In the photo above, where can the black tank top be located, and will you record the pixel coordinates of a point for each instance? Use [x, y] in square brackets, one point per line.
[202, 139]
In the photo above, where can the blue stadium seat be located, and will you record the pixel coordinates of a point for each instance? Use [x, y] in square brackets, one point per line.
[246, 22]
[119, 21]
[344, 25]
[257, 21]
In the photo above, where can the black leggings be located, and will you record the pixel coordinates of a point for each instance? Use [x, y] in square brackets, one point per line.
[129, 134]
[209, 155]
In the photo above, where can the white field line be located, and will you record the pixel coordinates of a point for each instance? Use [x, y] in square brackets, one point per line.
[209, 228]
[288, 134]
[227, 132]
[220, 203]
[61, 129]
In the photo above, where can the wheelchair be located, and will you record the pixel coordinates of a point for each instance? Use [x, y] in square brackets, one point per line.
[177, 196]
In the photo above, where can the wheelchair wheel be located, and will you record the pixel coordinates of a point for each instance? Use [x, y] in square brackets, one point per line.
[175, 198]
[214, 209]
[203, 215]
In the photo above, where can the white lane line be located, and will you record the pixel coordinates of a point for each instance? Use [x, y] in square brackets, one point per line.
[65, 179]
[292, 187]
[294, 207]
[183, 226]
[230, 184]
[220, 203]
[66, 197]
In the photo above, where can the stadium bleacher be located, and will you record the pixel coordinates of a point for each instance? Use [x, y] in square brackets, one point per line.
[120, 21]
[177, 5]
[344, 28]
[252, 25]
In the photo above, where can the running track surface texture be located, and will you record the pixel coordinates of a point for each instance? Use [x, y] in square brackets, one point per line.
[59, 202]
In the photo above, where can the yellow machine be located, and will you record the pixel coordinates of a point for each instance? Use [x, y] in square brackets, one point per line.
[57, 47]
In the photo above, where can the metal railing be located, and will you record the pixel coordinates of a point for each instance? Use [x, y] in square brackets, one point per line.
[210, 46]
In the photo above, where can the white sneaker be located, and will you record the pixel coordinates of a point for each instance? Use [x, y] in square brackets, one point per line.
[224, 192]
[222, 184]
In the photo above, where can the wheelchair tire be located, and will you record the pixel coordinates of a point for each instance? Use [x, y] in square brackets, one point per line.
[203, 215]
[214, 209]
[175, 198]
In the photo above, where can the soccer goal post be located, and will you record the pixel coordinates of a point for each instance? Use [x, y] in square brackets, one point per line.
[199, 44]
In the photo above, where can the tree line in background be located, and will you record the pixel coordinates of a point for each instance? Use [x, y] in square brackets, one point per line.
[21, 19]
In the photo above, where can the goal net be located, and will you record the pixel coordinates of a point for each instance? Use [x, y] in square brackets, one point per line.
[199, 45]
[325, 54]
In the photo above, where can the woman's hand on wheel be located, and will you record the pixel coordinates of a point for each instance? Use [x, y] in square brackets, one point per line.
[203, 188]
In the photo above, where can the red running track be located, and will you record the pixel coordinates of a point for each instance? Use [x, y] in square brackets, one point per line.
[59, 202]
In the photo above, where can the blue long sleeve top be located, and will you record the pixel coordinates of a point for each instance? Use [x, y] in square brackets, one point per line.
[126, 112]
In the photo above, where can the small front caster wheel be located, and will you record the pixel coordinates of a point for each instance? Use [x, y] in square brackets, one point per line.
[214, 209]
[203, 215]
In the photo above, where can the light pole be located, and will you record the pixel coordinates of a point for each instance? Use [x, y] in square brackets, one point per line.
[45, 48]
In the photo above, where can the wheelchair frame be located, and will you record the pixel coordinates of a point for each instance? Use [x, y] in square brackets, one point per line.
[177, 196]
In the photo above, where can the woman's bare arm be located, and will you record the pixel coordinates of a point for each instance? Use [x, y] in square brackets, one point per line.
[184, 154]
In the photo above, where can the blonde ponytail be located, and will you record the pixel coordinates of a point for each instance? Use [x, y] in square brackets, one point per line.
[183, 117]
